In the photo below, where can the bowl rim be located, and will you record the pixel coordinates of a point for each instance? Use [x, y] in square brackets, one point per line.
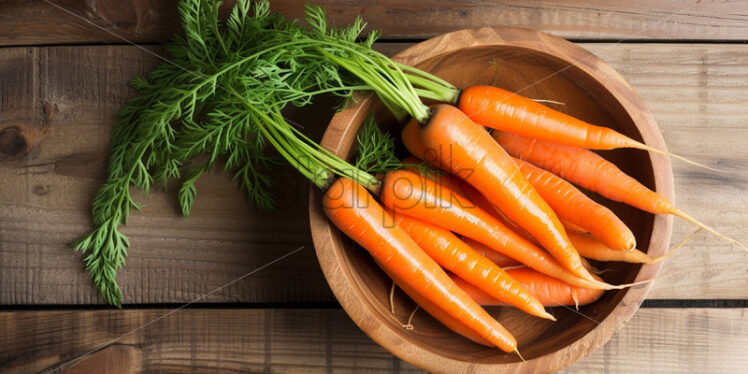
[349, 294]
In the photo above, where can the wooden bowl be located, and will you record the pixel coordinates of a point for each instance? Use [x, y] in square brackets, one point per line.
[542, 67]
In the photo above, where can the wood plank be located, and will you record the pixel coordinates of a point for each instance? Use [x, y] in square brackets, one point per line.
[316, 341]
[33, 22]
[48, 189]
[674, 341]
[64, 98]
[695, 94]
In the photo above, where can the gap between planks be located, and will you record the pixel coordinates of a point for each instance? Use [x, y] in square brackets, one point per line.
[333, 305]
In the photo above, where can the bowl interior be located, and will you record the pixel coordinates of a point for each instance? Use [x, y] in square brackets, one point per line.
[536, 75]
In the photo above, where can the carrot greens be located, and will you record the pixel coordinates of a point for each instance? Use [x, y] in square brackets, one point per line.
[219, 97]
[220, 94]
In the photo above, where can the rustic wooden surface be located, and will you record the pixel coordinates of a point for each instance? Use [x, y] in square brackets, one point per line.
[322, 340]
[33, 22]
[56, 108]
[63, 100]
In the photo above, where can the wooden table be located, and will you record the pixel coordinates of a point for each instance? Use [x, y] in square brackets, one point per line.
[62, 79]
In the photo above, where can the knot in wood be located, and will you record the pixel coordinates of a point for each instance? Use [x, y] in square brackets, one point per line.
[12, 142]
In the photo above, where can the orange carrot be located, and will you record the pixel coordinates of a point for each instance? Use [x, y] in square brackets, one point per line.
[586, 245]
[574, 206]
[480, 201]
[477, 198]
[468, 151]
[550, 291]
[592, 248]
[571, 226]
[440, 315]
[411, 138]
[507, 111]
[350, 207]
[587, 169]
[573, 234]
[497, 258]
[447, 180]
[419, 197]
[456, 256]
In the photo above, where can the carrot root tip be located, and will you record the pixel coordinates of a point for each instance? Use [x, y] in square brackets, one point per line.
[543, 314]
[644, 147]
[392, 299]
[408, 325]
[688, 218]
[639, 283]
[677, 247]
[548, 101]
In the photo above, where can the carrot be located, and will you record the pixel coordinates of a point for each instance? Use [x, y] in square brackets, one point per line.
[586, 245]
[452, 183]
[456, 256]
[589, 170]
[435, 311]
[408, 193]
[468, 151]
[550, 291]
[411, 138]
[496, 213]
[497, 258]
[502, 260]
[592, 248]
[484, 204]
[476, 197]
[507, 111]
[571, 205]
[352, 209]
[572, 226]
[574, 206]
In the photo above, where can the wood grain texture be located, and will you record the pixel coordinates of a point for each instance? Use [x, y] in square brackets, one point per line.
[32, 22]
[694, 91]
[324, 341]
[697, 98]
[62, 101]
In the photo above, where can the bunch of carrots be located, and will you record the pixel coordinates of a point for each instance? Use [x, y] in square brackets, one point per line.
[503, 224]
